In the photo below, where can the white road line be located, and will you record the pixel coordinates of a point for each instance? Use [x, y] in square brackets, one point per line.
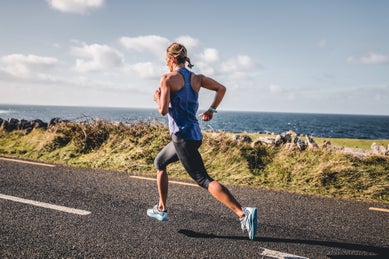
[154, 179]
[25, 162]
[45, 205]
[279, 255]
[379, 209]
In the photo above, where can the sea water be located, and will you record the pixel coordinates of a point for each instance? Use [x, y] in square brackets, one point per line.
[319, 125]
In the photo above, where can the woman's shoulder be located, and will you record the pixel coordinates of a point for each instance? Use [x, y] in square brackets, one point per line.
[168, 76]
[197, 77]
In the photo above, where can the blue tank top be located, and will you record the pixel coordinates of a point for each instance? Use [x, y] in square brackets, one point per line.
[182, 110]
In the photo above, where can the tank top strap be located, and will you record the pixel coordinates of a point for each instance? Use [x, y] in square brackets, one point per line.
[185, 74]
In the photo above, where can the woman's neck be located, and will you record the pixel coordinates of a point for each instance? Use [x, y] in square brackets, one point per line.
[178, 66]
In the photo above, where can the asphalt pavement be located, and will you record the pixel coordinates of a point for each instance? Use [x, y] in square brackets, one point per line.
[39, 207]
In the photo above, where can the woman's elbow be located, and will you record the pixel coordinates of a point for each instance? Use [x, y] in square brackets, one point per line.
[222, 90]
[163, 112]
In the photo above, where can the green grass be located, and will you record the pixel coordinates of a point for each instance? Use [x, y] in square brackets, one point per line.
[132, 148]
[353, 143]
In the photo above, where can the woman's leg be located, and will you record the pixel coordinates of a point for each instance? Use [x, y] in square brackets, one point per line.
[166, 156]
[192, 161]
[163, 186]
[222, 194]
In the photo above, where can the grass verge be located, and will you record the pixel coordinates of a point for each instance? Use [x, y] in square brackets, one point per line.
[133, 147]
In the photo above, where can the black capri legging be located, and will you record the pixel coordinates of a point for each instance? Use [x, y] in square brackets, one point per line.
[187, 152]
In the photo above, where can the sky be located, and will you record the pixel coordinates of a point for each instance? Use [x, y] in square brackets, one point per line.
[305, 56]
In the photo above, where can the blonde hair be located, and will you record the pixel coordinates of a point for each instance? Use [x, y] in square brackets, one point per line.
[179, 51]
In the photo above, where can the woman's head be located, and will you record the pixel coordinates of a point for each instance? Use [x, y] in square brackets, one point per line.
[178, 51]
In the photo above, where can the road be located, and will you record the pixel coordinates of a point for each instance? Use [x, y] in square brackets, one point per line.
[112, 221]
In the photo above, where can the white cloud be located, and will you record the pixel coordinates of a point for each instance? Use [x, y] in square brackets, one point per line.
[206, 68]
[210, 55]
[153, 44]
[146, 70]
[208, 61]
[96, 57]
[75, 6]
[189, 42]
[371, 58]
[23, 66]
[240, 63]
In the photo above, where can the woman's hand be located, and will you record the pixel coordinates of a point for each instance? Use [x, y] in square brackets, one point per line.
[207, 115]
[157, 94]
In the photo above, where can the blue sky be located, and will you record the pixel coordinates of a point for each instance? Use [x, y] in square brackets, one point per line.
[282, 56]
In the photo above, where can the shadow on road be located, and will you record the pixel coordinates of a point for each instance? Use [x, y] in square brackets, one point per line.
[379, 251]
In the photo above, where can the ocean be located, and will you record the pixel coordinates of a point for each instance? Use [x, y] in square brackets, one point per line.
[316, 125]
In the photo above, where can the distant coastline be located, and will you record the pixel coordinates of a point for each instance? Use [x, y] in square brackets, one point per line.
[201, 108]
[313, 124]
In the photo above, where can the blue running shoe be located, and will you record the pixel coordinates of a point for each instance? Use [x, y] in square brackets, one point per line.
[250, 221]
[157, 214]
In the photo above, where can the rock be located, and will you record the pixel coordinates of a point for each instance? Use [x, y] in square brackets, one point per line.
[55, 121]
[242, 139]
[39, 124]
[311, 142]
[10, 124]
[287, 137]
[300, 143]
[283, 138]
[278, 140]
[1, 124]
[14, 124]
[377, 149]
[326, 144]
[23, 124]
[267, 140]
[27, 131]
[292, 133]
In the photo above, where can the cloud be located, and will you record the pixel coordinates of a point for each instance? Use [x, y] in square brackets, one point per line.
[147, 44]
[24, 66]
[371, 58]
[75, 6]
[146, 70]
[239, 63]
[210, 55]
[208, 61]
[206, 68]
[189, 42]
[96, 57]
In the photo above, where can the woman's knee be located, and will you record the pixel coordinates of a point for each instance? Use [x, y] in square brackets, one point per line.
[204, 181]
[158, 165]
[215, 186]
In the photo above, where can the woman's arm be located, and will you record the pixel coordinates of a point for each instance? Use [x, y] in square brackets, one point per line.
[220, 91]
[162, 96]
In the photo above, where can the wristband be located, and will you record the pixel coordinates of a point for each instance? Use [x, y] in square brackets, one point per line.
[213, 110]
